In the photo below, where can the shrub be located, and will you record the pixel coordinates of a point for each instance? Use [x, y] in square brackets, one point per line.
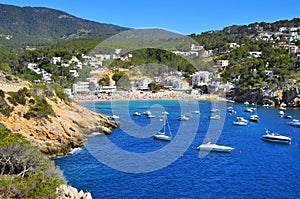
[24, 171]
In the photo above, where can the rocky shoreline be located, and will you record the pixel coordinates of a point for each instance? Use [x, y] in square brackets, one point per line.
[58, 135]
[289, 95]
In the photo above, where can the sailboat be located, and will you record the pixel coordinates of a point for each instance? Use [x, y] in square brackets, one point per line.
[214, 109]
[255, 117]
[163, 135]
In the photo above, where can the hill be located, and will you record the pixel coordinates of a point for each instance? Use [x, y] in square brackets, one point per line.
[36, 26]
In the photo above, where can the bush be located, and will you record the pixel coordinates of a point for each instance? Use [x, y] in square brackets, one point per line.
[24, 171]
[41, 109]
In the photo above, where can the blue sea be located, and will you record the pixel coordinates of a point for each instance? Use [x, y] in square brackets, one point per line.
[129, 163]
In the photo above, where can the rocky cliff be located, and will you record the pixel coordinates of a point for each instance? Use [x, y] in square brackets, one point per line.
[288, 95]
[58, 133]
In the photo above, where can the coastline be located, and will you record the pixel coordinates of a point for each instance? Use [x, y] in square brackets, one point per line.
[166, 95]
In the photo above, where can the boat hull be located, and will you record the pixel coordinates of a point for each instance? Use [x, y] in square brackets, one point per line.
[276, 140]
[214, 148]
[162, 137]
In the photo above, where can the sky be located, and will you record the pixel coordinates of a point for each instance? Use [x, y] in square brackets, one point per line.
[181, 16]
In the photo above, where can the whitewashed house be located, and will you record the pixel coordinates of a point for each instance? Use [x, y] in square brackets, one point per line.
[55, 60]
[200, 78]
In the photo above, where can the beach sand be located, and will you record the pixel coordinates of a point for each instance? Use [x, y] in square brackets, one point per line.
[148, 95]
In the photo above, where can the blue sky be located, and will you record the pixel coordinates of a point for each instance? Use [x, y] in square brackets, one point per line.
[182, 16]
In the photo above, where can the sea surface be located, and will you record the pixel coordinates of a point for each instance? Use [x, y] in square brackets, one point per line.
[129, 163]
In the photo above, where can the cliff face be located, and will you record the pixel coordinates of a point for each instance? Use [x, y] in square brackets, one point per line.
[57, 135]
[289, 95]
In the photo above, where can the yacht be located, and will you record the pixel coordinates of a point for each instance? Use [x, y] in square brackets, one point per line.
[249, 110]
[147, 113]
[136, 114]
[240, 121]
[114, 117]
[254, 118]
[275, 137]
[164, 113]
[295, 123]
[196, 112]
[214, 117]
[150, 116]
[183, 118]
[214, 148]
[281, 113]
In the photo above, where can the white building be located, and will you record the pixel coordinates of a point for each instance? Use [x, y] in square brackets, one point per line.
[74, 73]
[222, 63]
[55, 60]
[143, 84]
[81, 87]
[255, 54]
[200, 78]
[196, 48]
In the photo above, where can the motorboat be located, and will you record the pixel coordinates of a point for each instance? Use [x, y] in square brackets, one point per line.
[114, 117]
[147, 113]
[214, 117]
[275, 137]
[282, 108]
[214, 110]
[164, 113]
[163, 135]
[248, 110]
[281, 113]
[231, 110]
[136, 114]
[196, 112]
[151, 116]
[254, 118]
[183, 118]
[288, 116]
[214, 148]
[240, 121]
[295, 123]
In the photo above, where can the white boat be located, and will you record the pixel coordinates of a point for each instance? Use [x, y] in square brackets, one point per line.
[183, 118]
[231, 110]
[295, 123]
[214, 110]
[164, 113]
[136, 114]
[249, 110]
[163, 135]
[275, 137]
[240, 121]
[150, 116]
[246, 103]
[115, 117]
[281, 113]
[282, 108]
[147, 113]
[214, 148]
[196, 112]
[254, 118]
[214, 117]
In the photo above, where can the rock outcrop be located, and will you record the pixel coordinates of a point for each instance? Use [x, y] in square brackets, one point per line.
[68, 192]
[57, 135]
[289, 95]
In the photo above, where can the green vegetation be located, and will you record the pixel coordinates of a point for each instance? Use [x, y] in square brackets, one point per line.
[38, 27]
[24, 171]
[41, 109]
[5, 109]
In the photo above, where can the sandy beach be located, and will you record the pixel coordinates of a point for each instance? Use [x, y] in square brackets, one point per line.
[146, 95]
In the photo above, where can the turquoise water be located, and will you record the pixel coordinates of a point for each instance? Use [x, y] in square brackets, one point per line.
[131, 164]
